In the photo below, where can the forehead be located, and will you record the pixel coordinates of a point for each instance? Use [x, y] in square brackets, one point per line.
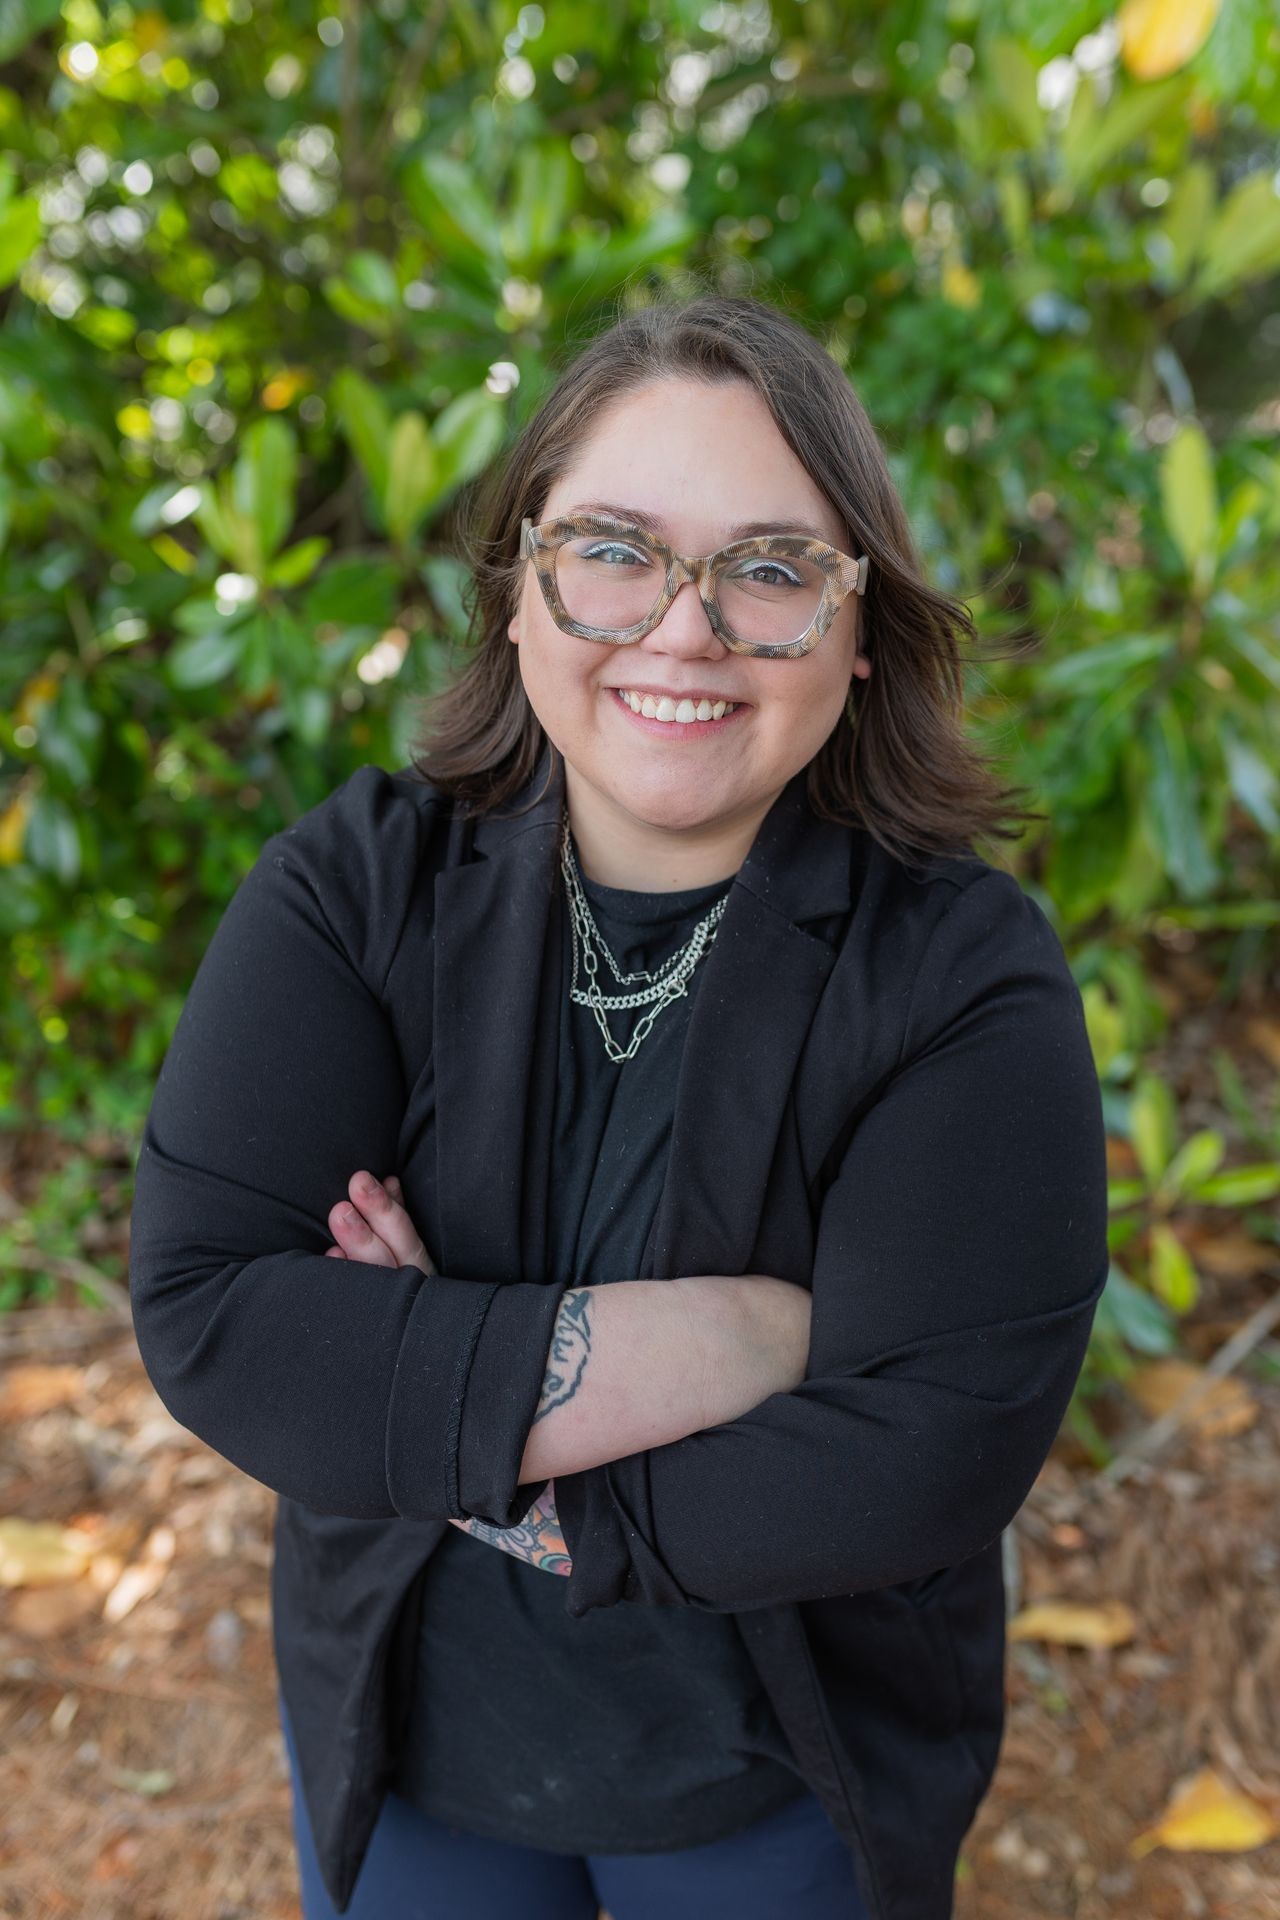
[698, 464]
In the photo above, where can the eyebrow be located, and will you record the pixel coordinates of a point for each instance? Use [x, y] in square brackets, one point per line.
[653, 523]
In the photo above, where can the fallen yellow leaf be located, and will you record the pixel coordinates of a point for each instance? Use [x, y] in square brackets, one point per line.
[1158, 37]
[39, 1553]
[1110, 1624]
[1208, 1815]
[1226, 1407]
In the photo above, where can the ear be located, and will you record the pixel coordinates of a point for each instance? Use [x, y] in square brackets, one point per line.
[512, 626]
[862, 667]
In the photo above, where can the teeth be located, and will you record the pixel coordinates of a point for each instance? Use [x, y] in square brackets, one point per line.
[681, 712]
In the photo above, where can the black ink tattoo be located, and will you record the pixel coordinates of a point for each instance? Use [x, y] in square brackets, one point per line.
[569, 1351]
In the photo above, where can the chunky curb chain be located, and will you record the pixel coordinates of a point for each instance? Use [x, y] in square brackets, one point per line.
[668, 982]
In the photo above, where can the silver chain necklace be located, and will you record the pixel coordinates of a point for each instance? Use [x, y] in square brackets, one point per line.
[666, 983]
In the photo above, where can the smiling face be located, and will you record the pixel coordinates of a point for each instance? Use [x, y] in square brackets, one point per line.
[657, 804]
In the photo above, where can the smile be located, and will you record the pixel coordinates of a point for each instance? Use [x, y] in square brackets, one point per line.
[671, 716]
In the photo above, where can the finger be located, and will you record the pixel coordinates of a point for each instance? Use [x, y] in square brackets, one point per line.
[388, 1219]
[357, 1239]
[334, 1253]
[392, 1184]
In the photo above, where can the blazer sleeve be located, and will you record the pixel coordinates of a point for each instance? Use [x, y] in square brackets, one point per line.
[348, 1387]
[960, 1254]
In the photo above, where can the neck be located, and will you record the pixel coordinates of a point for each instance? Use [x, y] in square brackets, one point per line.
[615, 849]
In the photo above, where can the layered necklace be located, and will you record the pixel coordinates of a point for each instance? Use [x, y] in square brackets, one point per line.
[665, 984]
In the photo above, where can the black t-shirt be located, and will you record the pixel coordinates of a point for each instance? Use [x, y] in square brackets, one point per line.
[631, 1729]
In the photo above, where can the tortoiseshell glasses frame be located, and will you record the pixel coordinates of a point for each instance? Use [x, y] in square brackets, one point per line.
[843, 575]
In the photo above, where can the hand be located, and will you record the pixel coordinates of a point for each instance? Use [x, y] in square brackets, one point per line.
[373, 1226]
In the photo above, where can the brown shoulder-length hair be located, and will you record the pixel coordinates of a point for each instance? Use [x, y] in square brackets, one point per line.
[898, 762]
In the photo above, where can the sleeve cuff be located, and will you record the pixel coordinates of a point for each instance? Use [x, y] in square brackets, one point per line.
[466, 1389]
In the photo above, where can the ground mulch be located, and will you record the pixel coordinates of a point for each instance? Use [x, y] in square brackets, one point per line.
[142, 1772]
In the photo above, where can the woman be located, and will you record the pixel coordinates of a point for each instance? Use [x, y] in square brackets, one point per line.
[639, 1545]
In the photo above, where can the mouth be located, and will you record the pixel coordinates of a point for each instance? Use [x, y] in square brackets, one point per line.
[687, 717]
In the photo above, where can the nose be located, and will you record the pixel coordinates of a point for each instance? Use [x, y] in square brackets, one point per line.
[684, 629]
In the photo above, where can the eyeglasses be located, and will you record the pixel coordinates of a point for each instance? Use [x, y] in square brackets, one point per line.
[773, 596]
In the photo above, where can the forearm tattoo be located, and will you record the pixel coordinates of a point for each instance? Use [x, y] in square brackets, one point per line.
[537, 1539]
[569, 1351]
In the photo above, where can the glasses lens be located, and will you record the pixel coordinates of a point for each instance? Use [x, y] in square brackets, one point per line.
[769, 599]
[765, 598]
[606, 581]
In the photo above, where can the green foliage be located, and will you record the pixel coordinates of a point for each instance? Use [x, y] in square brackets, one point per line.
[281, 283]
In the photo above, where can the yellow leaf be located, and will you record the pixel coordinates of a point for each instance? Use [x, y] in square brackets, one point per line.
[39, 1553]
[13, 826]
[1157, 37]
[1109, 1625]
[959, 285]
[37, 693]
[1227, 1406]
[1208, 1815]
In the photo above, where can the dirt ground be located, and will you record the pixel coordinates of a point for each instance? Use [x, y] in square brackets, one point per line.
[142, 1774]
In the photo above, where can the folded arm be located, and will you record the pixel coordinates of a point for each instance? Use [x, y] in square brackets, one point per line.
[960, 1256]
[361, 1392]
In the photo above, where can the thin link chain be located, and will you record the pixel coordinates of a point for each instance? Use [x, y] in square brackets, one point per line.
[668, 982]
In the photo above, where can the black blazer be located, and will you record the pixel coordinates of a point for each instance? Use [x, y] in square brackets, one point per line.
[886, 1094]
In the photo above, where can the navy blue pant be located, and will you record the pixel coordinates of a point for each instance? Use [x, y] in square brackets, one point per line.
[792, 1865]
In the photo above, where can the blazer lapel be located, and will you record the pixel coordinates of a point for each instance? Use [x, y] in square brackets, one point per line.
[761, 984]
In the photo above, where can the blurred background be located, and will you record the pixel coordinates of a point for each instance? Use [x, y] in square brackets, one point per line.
[277, 283]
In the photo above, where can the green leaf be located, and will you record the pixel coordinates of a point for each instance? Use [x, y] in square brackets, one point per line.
[1252, 779]
[365, 420]
[1096, 669]
[1014, 80]
[412, 482]
[1173, 1277]
[1189, 497]
[263, 485]
[299, 562]
[203, 658]
[1192, 1164]
[1172, 804]
[374, 278]
[1124, 1193]
[1133, 111]
[1152, 1125]
[546, 175]
[1241, 1186]
[20, 234]
[1132, 1314]
[1243, 241]
[228, 531]
[353, 590]
[52, 843]
[454, 209]
[1186, 216]
[467, 434]
[1105, 1024]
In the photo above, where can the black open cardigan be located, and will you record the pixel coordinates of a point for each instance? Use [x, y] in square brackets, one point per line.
[886, 1094]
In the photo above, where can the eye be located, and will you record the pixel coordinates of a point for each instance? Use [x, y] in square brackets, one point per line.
[785, 576]
[600, 547]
